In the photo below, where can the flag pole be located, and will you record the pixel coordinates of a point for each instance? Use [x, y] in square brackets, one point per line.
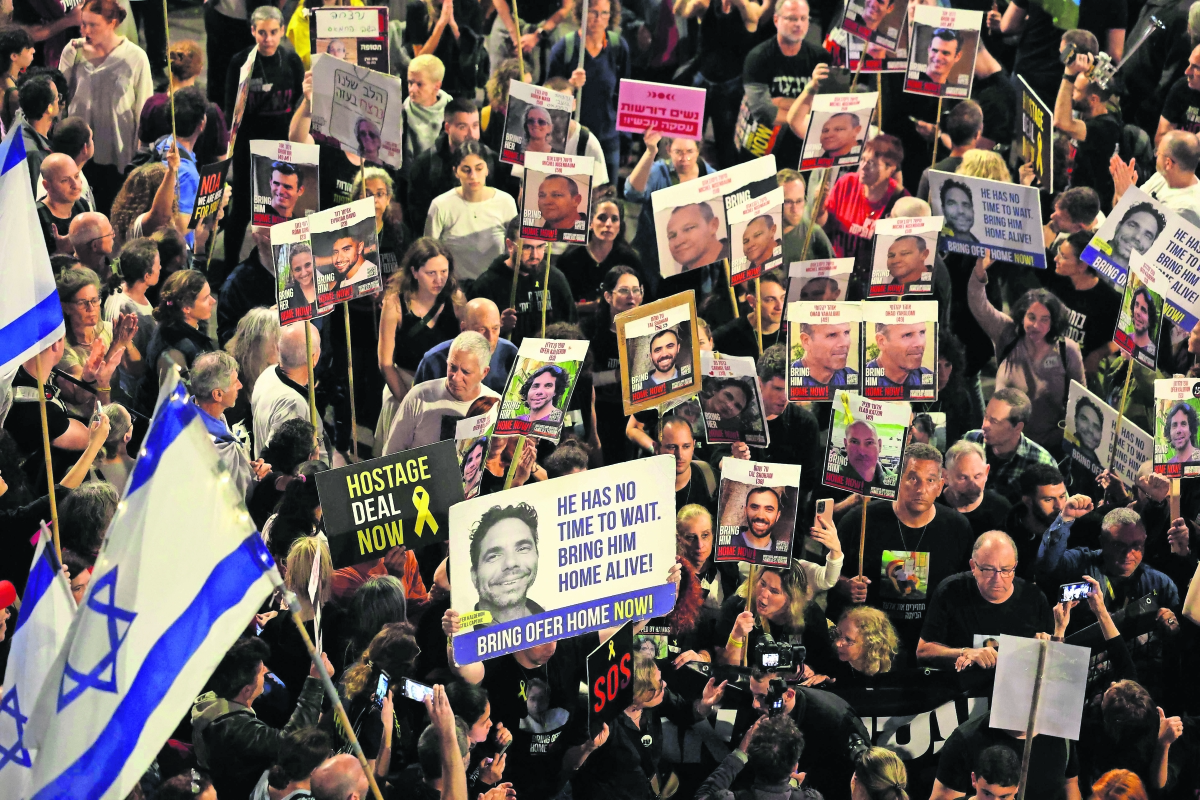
[582, 53]
[758, 312]
[170, 76]
[312, 393]
[350, 372]
[46, 454]
[546, 291]
[818, 202]
[518, 253]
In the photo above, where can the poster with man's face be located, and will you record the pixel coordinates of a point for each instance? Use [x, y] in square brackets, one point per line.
[755, 218]
[985, 217]
[756, 512]
[941, 60]
[284, 180]
[836, 130]
[356, 35]
[731, 400]
[558, 193]
[1133, 227]
[346, 253]
[295, 271]
[823, 349]
[902, 257]
[472, 437]
[358, 110]
[1177, 427]
[900, 350]
[539, 388]
[824, 279]
[536, 122]
[1140, 320]
[866, 441]
[1090, 426]
[660, 359]
[875, 58]
[876, 22]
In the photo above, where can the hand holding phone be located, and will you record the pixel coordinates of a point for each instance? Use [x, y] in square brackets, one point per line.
[416, 691]
[1069, 592]
[381, 688]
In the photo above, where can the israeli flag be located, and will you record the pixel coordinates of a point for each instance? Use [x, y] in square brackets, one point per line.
[180, 577]
[31, 317]
[47, 609]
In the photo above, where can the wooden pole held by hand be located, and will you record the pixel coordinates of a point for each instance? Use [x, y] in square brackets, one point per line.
[813, 212]
[312, 392]
[46, 455]
[758, 312]
[937, 132]
[1044, 647]
[350, 371]
[862, 536]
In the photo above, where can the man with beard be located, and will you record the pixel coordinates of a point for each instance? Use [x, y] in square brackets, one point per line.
[945, 51]
[1043, 497]
[692, 237]
[349, 266]
[906, 264]
[1143, 333]
[958, 209]
[1010, 453]
[1096, 131]
[759, 242]
[1089, 430]
[504, 561]
[862, 457]
[763, 506]
[901, 349]
[1137, 230]
[826, 353]
[664, 349]
[965, 472]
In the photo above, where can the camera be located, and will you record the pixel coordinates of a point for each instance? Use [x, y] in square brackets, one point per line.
[777, 688]
[856, 748]
[769, 655]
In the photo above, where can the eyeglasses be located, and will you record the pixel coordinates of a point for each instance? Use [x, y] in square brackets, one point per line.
[1006, 572]
[100, 238]
[85, 305]
[839, 637]
[625, 291]
[793, 202]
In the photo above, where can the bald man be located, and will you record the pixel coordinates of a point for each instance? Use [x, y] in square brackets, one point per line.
[863, 445]
[482, 317]
[63, 181]
[92, 237]
[340, 778]
[281, 391]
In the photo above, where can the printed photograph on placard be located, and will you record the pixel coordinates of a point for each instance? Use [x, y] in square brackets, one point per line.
[558, 192]
[358, 110]
[539, 388]
[941, 60]
[731, 399]
[985, 217]
[756, 512]
[285, 180]
[346, 250]
[295, 271]
[1134, 226]
[1140, 320]
[850, 50]
[823, 349]
[903, 254]
[1090, 426]
[472, 439]
[1177, 427]
[660, 359]
[821, 279]
[866, 440]
[837, 127]
[929, 427]
[356, 35]
[877, 22]
[755, 230]
[900, 350]
[536, 122]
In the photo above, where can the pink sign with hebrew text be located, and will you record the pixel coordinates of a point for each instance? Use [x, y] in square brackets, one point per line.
[674, 111]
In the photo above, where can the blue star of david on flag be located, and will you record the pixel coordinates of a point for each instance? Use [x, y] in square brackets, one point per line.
[16, 753]
[119, 621]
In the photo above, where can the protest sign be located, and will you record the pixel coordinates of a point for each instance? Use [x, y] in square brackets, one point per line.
[900, 350]
[539, 388]
[731, 399]
[1037, 136]
[982, 215]
[660, 357]
[610, 679]
[558, 193]
[358, 110]
[877, 22]
[211, 191]
[837, 127]
[690, 217]
[824, 345]
[756, 512]
[345, 248]
[866, 441]
[284, 180]
[356, 35]
[851, 50]
[941, 60]
[548, 561]
[239, 102]
[1135, 447]
[674, 111]
[1063, 678]
[1090, 426]
[755, 218]
[295, 271]
[472, 437]
[1141, 314]
[402, 499]
[1176, 427]
[536, 122]
[1177, 257]
[903, 254]
[820, 279]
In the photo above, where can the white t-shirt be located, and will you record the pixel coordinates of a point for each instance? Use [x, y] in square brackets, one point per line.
[1185, 201]
[419, 420]
[472, 232]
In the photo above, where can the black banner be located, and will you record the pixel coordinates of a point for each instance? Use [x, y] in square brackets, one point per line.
[610, 679]
[1037, 137]
[212, 189]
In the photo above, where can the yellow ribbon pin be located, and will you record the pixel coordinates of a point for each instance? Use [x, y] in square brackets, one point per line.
[612, 650]
[420, 499]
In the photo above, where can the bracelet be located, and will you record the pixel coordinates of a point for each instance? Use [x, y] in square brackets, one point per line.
[1068, 77]
[738, 643]
[103, 389]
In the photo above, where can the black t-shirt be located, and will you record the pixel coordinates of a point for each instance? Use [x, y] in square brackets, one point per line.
[606, 356]
[992, 508]
[276, 86]
[1091, 313]
[785, 76]
[904, 564]
[1037, 52]
[1093, 155]
[814, 635]
[958, 613]
[24, 424]
[696, 492]
[1051, 761]
[1182, 107]
[335, 177]
[46, 218]
[998, 100]
[724, 43]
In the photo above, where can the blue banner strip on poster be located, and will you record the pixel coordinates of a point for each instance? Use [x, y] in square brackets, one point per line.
[606, 612]
[1104, 266]
[976, 250]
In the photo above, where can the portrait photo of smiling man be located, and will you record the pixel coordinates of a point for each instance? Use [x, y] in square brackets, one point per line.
[941, 58]
[504, 561]
[284, 180]
[958, 209]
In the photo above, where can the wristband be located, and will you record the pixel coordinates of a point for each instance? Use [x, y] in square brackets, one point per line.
[1068, 77]
[738, 643]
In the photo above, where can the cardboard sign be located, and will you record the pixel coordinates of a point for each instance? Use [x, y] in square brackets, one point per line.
[877, 22]
[731, 398]
[1064, 678]
[557, 198]
[346, 250]
[552, 560]
[1037, 136]
[356, 35]
[756, 512]
[982, 215]
[1177, 426]
[674, 111]
[866, 442]
[610, 679]
[539, 388]
[285, 182]
[941, 60]
[824, 346]
[401, 499]
[211, 192]
[819, 279]
[755, 218]
[358, 110]
[903, 254]
[900, 350]
[1088, 441]
[239, 103]
[1140, 320]
[660, 357]
[536, 122]
[875, 59]
[472, 439]
[295, 272]
[837, 127]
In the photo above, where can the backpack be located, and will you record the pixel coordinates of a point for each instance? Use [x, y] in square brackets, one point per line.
[614, 40]
[1135, 143]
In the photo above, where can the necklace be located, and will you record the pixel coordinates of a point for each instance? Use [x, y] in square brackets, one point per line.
[900, 530]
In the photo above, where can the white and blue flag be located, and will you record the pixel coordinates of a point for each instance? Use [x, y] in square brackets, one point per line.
[31, 317]
[47, 609]
[180, 577]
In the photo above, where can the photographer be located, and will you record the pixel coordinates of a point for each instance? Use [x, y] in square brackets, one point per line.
[767, 748]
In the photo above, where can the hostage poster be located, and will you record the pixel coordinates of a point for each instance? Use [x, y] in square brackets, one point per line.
[824, 345]
[982, 215]
[557, 195]
[1177, 426]
[731, 399]
[539, 388]
[902, 260]
[756, 512]
[346, 249]
[358, 110]
[356, 35]
[900, 350]
[819, 279]
[660, 357]
[536, 122]
[866, 441]
[284, 180]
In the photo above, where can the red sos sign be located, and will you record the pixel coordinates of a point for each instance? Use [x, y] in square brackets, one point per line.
[609, 684]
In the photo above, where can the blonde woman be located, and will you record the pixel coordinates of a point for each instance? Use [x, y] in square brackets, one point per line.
[984, 164]
[255, 347]
[865, 642]
[879, 775]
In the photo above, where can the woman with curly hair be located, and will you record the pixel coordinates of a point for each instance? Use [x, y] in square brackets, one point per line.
[298, 513]
[1033, 351]
[186, 59]
[146, 202]
[865, 642]
[1119, 784]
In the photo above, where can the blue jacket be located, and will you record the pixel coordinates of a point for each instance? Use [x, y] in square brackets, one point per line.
[433, 365]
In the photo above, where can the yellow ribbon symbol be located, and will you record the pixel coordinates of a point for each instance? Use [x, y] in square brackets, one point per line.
[521, 692]
[612, 650]
[420, 499]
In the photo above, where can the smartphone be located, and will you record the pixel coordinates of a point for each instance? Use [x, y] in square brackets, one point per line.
[381, 687]
[825, 512]
[1074, 591]
[500, 750]
[416, 691]
[97, 413]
